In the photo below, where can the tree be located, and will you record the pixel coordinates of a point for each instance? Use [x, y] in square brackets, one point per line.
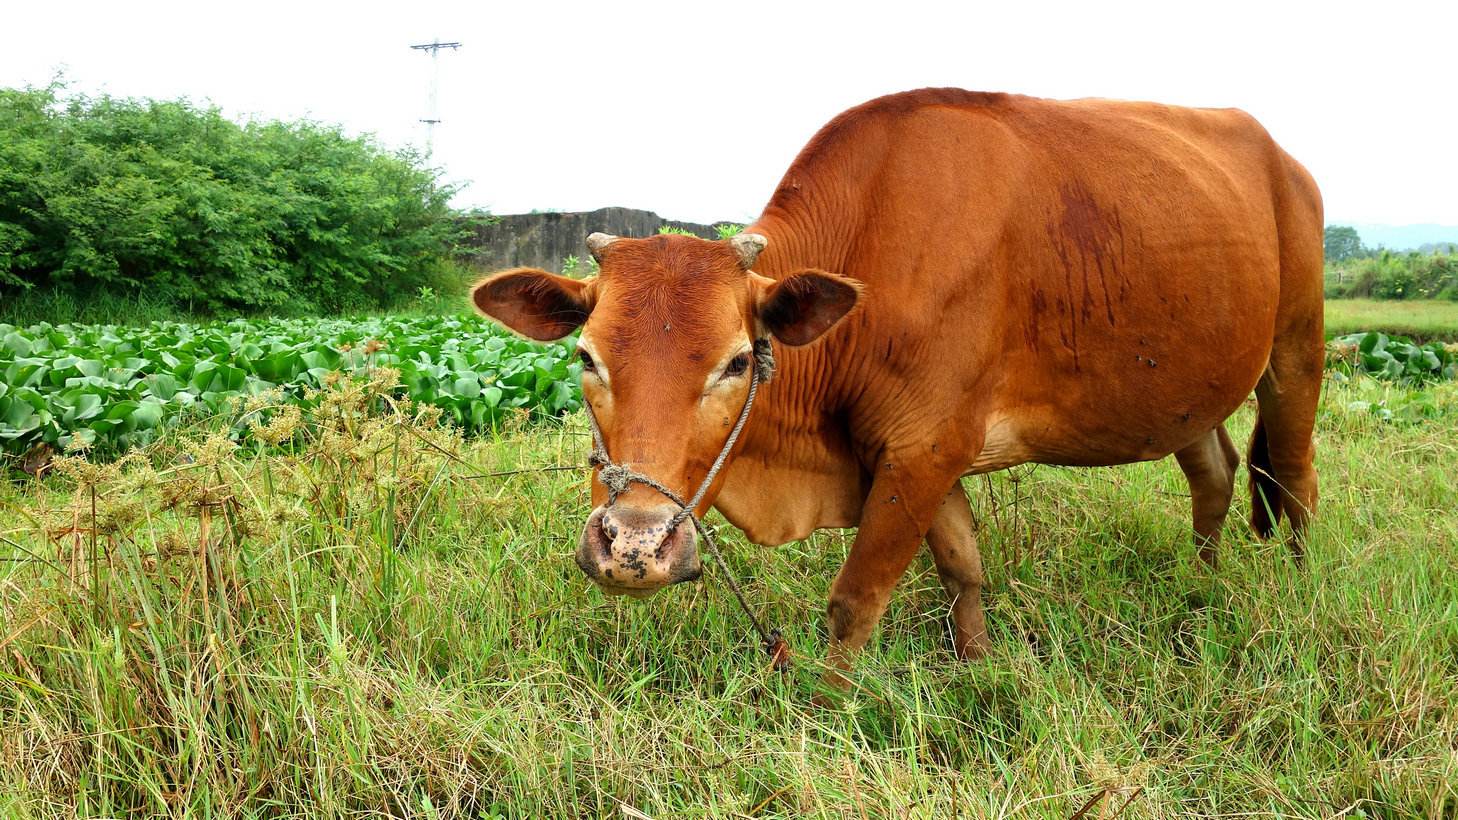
[1342, 243]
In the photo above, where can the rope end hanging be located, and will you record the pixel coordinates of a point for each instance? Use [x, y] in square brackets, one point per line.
[779, 651]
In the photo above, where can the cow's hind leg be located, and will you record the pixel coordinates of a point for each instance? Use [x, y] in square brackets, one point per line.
[1209, 465]
[1282, 473]
[953, 543]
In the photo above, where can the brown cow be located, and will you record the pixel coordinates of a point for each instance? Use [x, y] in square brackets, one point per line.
[955, 283]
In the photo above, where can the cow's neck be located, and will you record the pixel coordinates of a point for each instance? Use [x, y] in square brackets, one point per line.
[796, 470]
[808, 383]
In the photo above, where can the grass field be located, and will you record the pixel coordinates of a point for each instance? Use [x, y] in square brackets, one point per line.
[1423, 320]
[379, 618]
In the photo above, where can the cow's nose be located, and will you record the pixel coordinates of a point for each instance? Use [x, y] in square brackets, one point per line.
[637, 550]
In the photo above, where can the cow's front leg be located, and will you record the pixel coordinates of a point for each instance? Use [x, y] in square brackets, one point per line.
[898, 511]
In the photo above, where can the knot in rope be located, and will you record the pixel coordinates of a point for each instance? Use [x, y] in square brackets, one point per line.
[615, 477]
[764, 360]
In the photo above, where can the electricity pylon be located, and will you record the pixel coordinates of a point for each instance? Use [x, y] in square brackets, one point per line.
[432, 118]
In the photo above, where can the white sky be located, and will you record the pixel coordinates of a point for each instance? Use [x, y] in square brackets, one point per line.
[694, 110]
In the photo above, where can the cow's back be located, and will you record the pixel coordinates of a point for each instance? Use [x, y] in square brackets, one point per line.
[1092, 281]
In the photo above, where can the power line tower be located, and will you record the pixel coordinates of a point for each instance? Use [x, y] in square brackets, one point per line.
[432, 118]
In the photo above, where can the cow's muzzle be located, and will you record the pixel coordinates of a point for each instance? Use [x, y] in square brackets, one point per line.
[632, 551]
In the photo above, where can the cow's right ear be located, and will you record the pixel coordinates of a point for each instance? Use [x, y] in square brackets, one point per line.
[534, 303]
[800, 308]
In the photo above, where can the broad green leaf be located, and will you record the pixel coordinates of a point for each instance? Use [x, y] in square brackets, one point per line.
[162, 385]
[17, 344]
[87, 406]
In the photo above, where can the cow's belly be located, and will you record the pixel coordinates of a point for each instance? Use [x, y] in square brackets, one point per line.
[1103, 421]
[1054, 435]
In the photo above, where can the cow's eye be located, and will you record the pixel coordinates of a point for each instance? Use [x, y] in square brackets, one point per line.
[588, 365]
[737, 366]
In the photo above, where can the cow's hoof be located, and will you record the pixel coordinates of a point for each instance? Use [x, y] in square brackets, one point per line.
[834, 686]
[973, 647]
[826, 701]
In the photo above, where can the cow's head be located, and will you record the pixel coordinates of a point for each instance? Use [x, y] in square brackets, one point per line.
[667, 329]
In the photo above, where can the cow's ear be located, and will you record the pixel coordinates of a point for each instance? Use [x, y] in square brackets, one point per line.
[801, 307]
[534, 303]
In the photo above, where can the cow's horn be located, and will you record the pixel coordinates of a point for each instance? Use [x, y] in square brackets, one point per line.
[748, 246]
[596, 242]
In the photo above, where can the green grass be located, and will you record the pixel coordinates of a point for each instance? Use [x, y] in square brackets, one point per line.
[359, 624]
[1423, 320]
[56, 305]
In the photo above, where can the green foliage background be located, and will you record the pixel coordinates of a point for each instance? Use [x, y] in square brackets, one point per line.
[1389, 275]
[107, 196]
[1341, 242]
[1354, 270]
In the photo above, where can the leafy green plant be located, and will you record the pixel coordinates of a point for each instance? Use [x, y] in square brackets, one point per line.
[728, 229]
[1414, 408]
[669, 229]
[114, 387]
[1393, 357]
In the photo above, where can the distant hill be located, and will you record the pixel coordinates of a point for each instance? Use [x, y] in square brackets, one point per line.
[1402, 237]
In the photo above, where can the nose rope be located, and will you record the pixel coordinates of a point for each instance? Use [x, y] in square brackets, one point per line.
[618, 477]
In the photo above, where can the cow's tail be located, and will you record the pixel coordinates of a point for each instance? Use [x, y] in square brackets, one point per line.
[1265, 493]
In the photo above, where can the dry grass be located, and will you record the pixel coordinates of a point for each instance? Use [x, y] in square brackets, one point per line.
[362, 622]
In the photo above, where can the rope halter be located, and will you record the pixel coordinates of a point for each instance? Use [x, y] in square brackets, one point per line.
[618, 477]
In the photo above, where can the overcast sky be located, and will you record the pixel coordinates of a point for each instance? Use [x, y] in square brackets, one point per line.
[694, 110]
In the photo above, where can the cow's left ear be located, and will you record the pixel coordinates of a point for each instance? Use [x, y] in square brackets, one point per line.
[801, 307]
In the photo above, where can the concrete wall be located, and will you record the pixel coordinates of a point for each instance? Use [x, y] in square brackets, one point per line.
[545, 240]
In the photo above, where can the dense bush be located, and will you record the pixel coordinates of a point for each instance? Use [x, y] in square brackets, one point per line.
[100, 195]
[1389, 275]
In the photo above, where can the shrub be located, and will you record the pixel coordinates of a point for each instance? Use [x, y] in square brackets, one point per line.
[1389, 275]
[106, 196]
